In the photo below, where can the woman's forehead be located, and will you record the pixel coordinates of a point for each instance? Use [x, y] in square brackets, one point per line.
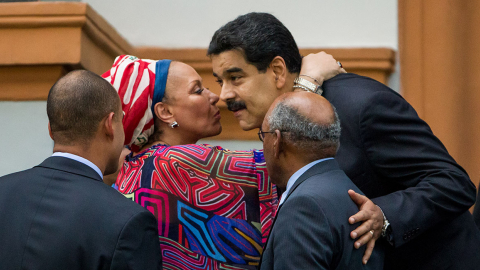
[184, 74]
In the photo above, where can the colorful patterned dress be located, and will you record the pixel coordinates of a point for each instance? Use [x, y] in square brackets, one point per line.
[214, 207]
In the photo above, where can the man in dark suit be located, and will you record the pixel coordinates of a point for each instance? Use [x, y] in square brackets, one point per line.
[59, 214]
[301, 134]
[385, 148]
[476, 211]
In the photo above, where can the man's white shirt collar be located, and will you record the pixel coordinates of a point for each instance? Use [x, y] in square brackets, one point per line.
[79, 159]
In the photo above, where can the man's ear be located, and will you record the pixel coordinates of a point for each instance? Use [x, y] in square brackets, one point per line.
[50, 131]
[280, 71]
[108, 125]
[163, 112]
[277, 144]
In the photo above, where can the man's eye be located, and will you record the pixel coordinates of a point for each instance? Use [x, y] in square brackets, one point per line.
[234, 78]
[199, 91]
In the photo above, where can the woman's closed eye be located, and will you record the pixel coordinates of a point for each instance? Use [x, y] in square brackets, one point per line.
[199, 90]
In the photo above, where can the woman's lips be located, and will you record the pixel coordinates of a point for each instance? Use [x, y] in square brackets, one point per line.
[217, 115]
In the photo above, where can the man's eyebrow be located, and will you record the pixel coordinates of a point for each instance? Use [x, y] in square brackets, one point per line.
[234, 69]
[230, 70]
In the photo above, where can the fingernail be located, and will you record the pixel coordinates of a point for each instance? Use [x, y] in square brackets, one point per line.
[352, 220]
[365, 262]
[357, 245]
[354, 235]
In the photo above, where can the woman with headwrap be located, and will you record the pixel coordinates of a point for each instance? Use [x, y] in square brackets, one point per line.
[214, 207]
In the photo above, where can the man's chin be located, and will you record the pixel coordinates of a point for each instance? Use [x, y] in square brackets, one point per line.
[247, 121]
[246, 126]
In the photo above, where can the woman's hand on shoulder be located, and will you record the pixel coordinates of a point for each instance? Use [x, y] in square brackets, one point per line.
[319, 67]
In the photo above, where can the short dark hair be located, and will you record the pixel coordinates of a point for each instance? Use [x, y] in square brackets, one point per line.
[260, 37]
[76, 105]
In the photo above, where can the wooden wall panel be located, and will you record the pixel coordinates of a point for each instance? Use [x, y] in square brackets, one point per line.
[28, 82]
[41, 41]
[440, 64]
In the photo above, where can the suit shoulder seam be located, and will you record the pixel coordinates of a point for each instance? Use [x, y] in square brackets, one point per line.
[36, 212]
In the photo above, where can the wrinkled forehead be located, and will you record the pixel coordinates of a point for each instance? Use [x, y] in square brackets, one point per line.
[230, 62]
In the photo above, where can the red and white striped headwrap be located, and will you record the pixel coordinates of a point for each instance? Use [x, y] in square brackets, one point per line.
[135, 79]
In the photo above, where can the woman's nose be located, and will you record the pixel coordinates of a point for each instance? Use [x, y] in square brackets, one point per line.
[214, 98]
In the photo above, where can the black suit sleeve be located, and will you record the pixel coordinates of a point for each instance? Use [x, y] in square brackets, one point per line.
[138, 246]
[403, 150]
[302, 238]
[476, 211]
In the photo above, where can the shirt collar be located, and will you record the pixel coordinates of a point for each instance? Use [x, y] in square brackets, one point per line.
[297, 175]
[79, 159]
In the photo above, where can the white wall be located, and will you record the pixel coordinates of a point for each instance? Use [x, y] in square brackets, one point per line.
[313, 23]
[234, 144]
[24, 135]
[191, 23]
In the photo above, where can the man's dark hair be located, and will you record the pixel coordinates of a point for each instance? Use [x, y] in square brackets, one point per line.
[76, 105]
[260, 37]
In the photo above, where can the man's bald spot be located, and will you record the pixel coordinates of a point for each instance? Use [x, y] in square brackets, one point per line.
[76, 105]
[313, 106]
[309, 124]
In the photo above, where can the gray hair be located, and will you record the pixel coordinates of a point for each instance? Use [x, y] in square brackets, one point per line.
[302, 132]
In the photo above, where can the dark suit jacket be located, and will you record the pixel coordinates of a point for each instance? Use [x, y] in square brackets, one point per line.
[394, 158]
[476, 210]
[311, 229]
[60, 215]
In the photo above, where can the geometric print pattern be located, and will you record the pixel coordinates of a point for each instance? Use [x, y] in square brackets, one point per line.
[214, 207]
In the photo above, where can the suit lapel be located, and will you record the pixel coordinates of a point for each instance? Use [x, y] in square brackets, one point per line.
[71, 166]
[322, 167]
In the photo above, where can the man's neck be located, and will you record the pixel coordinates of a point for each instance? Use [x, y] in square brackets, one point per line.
[294, 161]
[290, 166]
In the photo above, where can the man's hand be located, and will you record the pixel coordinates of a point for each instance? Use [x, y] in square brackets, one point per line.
[321, 66]
[372, 218]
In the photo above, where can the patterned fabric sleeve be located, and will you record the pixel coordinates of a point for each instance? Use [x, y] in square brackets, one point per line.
[214, 206]
[268, 196]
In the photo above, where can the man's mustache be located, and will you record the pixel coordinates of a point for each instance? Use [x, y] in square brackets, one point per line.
[236, 105]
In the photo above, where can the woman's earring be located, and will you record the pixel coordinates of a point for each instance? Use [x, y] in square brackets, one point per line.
[174, 124]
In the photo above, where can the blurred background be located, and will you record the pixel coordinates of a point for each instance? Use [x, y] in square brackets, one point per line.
[427, 50]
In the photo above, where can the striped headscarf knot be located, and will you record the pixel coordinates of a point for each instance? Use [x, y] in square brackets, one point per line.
[140, 83]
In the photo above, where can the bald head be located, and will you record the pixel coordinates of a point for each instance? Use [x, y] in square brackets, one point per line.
[312, 106]
[310, 121]
[76, 105]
